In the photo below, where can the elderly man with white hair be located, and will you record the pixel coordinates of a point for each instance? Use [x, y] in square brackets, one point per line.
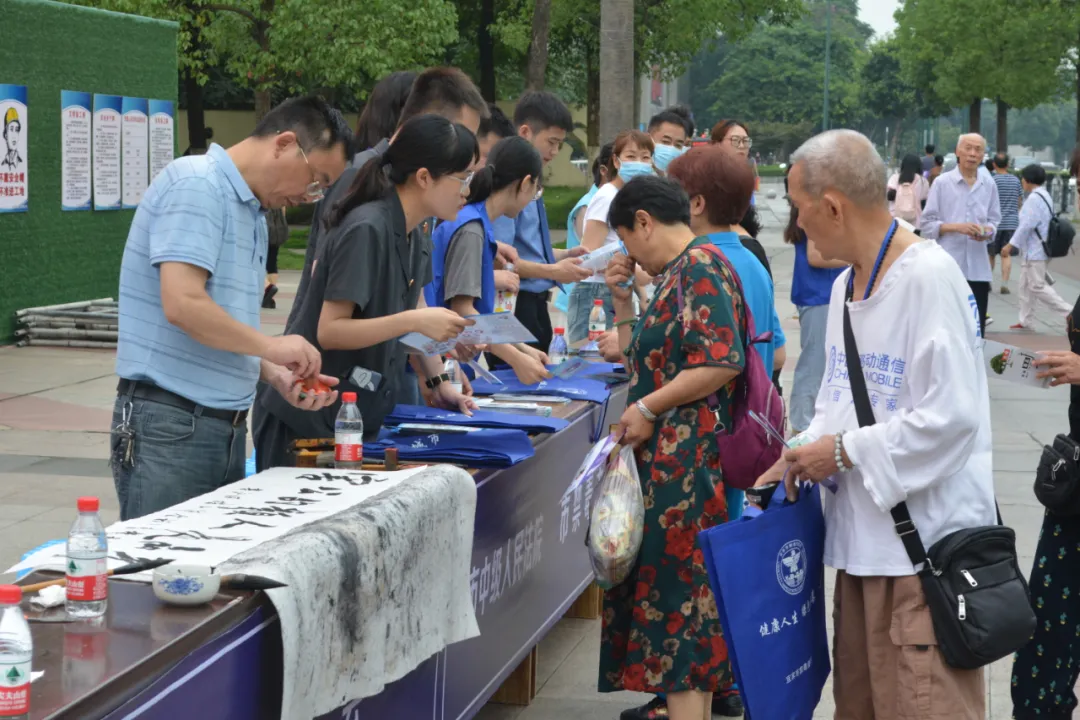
[962, 213]
[914, 324]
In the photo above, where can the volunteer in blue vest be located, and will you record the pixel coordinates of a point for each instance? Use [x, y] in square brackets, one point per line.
[661, 632]
[494, 128]
[543, 120]
[366, 288]
[464, 254]
[632, 157]
[602, 172]
[189, 352]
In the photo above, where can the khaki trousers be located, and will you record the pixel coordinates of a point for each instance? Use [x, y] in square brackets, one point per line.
[886, 664]
[1034, 289]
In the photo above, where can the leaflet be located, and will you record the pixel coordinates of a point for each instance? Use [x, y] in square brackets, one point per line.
[493, 329]
[1013, 364]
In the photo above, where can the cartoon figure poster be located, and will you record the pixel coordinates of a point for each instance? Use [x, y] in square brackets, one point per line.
[75, 187]
[106, 152]
[135, 176]
[14, 175]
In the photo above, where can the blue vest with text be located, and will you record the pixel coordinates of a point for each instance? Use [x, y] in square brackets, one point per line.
[434, 293]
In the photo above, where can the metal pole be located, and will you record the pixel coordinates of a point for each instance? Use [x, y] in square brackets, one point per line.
[828, 52]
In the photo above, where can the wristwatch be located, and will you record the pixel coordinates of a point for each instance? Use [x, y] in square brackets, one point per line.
[436, 381]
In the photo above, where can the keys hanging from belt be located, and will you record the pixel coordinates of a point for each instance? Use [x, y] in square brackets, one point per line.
[126, 434]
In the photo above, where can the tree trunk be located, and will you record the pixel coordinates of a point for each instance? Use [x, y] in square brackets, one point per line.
[262, 104]
[1002, 143]
[894, 141]
[486, 47]
[1078, 94]
[592, 101]
[975, 116]
[196, 117]
[616, 67]
[536, 69]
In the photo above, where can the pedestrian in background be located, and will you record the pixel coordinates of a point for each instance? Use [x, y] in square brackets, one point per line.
[962, 213]
[928, 160]
[1031, 232]
[907, 191]
[278, 230]
[1010, 198]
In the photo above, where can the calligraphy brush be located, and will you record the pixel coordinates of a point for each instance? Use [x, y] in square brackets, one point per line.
[241, 581]
[131, 569]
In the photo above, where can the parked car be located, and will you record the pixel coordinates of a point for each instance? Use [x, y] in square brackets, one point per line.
[1022, 161]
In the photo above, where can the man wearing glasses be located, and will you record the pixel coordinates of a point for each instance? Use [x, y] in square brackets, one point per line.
[189, 350]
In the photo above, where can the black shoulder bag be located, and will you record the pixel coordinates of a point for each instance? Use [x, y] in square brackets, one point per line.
[978, 597]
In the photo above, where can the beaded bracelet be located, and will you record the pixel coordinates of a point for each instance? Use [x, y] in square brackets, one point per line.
[839, 454]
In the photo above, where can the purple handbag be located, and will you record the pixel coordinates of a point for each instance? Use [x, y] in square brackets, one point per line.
[746, 449]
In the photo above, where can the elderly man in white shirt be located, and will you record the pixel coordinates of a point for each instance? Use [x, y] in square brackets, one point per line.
[962, 213]
[1033, 227]
[914, 319]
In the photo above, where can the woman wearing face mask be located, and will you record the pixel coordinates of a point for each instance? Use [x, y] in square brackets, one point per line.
[661, 633]
[602, 171]
[465, 249]
[365, 289]
[632, 154]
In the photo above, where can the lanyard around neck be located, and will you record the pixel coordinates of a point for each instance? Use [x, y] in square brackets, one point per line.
[877, 265]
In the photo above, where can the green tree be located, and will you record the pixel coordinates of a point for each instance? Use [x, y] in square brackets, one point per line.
[1008, 50]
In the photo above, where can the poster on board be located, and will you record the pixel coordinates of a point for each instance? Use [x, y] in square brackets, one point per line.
[14, 177]
[162, 136]
[106, 154]
[135, 175]
[76, 191]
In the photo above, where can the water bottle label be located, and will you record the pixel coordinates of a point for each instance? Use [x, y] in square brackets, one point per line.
[349, 447]
[596, 330]
[87, 579]
[14, 689]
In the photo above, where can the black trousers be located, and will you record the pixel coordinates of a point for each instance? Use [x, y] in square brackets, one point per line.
[532, 311]
[271, 259]
[981, 291]
[1046, 669]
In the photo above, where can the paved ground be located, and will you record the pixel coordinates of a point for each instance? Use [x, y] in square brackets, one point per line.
[55, 409]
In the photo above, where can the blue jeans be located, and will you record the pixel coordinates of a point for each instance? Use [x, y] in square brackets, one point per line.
[178, 455]
[811, 366]
[581, 304]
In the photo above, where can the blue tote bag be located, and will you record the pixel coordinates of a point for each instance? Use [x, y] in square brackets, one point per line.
[768, 576]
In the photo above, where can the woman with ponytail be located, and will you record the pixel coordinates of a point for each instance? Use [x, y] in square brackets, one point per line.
[365, 289]
[463, 277]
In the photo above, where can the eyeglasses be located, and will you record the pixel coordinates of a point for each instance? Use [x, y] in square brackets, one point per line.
[315, 191]
[464, 182]
[742, 142]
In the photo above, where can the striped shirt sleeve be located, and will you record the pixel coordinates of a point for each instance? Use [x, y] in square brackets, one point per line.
[187, 224]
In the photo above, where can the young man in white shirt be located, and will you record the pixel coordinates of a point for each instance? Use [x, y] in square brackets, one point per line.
[915, 323]
[1031, 232]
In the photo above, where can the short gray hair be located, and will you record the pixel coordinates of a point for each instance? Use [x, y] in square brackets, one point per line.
[845, 161]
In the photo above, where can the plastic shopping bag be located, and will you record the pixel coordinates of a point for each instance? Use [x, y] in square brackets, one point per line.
[617, 520]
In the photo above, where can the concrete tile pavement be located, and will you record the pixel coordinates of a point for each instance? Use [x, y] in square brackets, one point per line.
[55, 412]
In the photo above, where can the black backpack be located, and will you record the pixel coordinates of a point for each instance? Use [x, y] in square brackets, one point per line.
[1059, 236]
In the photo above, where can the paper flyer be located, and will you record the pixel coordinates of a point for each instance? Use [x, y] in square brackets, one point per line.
[106, 152]
[162, 135]
[1013, 364]
[135, 175]
[76, 188]
[14, 175]
[493, 329]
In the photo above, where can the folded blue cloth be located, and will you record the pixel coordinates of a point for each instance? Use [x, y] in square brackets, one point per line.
[597, 367]
[574, 388]
[480, 418]
[480, 449]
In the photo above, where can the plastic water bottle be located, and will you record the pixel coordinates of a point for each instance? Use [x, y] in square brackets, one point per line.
[453, 371]
[16, 650]
[597, 321]
[558, 351]
[349, 434]
[87, 564]
[506, 300]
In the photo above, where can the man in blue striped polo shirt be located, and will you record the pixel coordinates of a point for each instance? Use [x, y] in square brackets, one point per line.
[1010, 195]
[189, 351]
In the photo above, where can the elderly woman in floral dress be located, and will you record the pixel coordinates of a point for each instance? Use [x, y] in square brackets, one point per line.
[661, 631]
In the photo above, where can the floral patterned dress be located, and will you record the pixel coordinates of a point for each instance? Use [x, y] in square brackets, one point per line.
[661, 631]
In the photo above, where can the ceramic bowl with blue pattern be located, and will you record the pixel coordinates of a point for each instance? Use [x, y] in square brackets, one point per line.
[185, 584]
